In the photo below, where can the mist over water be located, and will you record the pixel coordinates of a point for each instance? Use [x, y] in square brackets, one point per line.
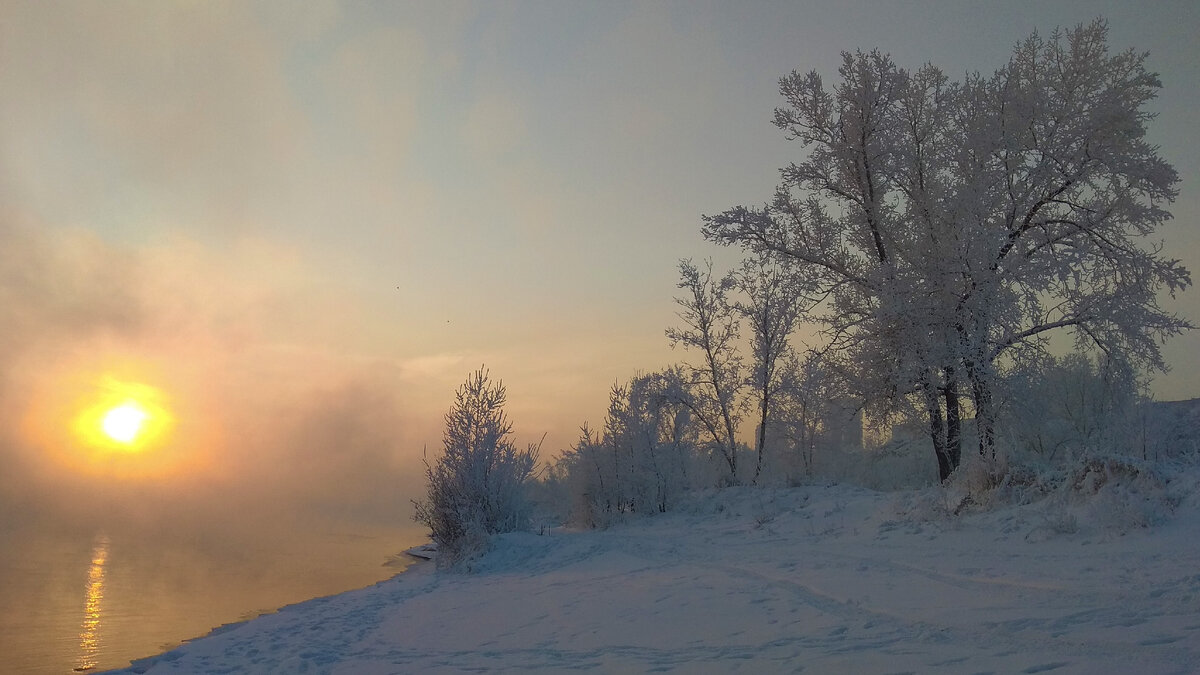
[70, 601]
[284, 475]
[287, 471]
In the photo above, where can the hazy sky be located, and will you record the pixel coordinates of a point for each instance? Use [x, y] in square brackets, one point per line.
[305, 223]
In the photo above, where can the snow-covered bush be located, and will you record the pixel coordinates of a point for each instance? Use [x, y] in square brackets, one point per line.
[1058, 410]
[1119, 494]
[1165, 430]
[477, 488]
[642, 461]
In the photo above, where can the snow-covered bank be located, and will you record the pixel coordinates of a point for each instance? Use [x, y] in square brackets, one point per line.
[815, 579]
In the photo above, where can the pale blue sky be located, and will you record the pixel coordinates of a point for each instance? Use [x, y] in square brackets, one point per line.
[272, 203]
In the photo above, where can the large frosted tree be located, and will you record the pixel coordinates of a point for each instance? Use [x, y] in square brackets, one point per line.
[955, 226]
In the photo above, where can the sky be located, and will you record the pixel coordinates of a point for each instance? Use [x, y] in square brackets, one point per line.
[304, 224]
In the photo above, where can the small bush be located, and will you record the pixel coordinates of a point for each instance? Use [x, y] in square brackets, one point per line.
[477, 488]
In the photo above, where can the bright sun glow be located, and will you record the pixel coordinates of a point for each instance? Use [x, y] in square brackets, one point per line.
[123, 418]
[123, 426]
[124, 422]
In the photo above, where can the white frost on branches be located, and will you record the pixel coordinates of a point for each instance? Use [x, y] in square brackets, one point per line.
[477, 487]
[954, 226]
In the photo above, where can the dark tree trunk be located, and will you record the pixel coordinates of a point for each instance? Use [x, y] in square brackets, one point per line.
[985, 421]
[762, 435]
[937, 431]
[953, 420]
[985, 412]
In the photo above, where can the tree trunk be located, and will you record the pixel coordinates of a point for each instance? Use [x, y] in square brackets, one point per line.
[985, 412]
[762, 435]
[730, 434]
[937, 430]
[731, 460]
[953, 420]
[985, 421]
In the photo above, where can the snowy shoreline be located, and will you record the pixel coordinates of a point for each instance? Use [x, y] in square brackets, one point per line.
[139, 664]
[824, 578]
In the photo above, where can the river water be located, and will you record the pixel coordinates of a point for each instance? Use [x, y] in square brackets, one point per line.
[80, 602]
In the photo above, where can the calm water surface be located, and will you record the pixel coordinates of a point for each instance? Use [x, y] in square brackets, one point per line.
[85, 602]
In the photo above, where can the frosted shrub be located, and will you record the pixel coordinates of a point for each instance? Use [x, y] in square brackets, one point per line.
[1061, 409]
[1121, 494]
[645, 458]
[477, 488]
[1111, 494]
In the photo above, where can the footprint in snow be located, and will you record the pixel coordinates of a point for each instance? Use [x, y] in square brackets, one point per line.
[1046, 667]
[1160, 640]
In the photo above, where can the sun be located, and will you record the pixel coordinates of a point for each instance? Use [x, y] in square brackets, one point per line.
[122, 418]
[124, 422]
[131, 421]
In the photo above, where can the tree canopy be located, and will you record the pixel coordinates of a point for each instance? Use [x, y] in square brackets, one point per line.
[953, 226]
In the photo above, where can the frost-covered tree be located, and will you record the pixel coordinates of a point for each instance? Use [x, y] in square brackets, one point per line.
[711, 327]
[764, 295]
[954, 226]
[1064, 408]
[644, 458]
[1060, 191]
[590, 472]
[811, 411]
[650, 425]
[477, 487]
[771, 305]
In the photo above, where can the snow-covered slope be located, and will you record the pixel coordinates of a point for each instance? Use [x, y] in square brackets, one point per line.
[821, 579]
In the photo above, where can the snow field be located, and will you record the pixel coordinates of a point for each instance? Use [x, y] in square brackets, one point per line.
[818, 579]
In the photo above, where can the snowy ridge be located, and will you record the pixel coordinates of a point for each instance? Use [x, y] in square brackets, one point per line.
[816, 579]
[423, 552]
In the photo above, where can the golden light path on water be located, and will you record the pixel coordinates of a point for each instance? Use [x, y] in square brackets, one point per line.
[93, 600]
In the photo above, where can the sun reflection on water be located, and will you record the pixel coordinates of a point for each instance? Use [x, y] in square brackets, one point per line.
[89, 634]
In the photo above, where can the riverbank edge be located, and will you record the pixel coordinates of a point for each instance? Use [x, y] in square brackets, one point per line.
[143, 664]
